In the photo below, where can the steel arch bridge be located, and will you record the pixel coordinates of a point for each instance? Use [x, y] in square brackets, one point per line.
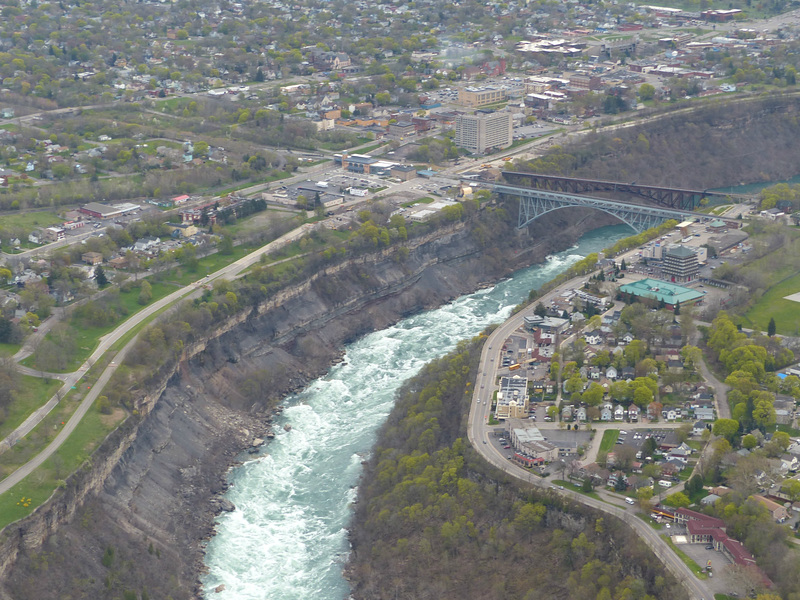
[534, 203]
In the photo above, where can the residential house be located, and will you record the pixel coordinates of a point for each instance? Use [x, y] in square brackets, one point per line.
[698, 428]
[611, 373]
[594, 338]
[777, 511]
[146, 244]
[704, 413]
[619, 412]
[92, 258]
[628, 373]
[654, 410]
[566, 413]
[633, 413]
[626, 339]
[670, 414]
[580, 414]
[606, 414]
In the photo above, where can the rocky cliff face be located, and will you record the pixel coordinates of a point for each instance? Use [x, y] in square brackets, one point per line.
[136, 520]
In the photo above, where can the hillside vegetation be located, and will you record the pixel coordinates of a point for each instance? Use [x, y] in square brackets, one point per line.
[714, 146]
[433, 521]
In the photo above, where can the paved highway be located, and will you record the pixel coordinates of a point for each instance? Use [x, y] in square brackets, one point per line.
[106, 342]
[478, 433]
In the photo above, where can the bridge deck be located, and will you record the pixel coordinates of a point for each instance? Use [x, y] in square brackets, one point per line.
[679, 198]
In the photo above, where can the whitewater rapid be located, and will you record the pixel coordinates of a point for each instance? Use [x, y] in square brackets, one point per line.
[287, 538]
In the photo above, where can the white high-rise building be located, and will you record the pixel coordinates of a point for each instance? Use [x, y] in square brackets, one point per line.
[484, 130]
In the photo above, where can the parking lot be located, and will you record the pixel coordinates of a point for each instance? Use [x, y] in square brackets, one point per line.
[721, 581]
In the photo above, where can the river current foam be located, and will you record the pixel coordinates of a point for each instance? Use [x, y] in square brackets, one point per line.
[287, 538]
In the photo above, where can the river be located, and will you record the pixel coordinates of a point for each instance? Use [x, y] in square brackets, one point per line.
[287, 538]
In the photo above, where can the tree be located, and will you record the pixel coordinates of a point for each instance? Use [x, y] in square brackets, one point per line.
[100, 277]
[678, 500]
[749, 441]
[726, 428]
[225, 245]
[540, 310]
[771, 327]
[646, 92]
[644, 495]
[594, 395]
[694, 485]
[145, 293]
[782, 439]
[649, 447]
[791, 487]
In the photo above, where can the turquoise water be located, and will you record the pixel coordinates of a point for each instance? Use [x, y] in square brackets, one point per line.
[754, 188]
[287, 538]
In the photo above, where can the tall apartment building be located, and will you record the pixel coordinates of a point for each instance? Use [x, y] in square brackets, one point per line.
[484, 130]
[680, 264]
[475, 97]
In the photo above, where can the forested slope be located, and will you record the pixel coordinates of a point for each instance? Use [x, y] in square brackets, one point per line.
[434, 521]
[722, 144]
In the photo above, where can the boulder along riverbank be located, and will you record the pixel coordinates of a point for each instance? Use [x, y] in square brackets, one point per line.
[148, 508]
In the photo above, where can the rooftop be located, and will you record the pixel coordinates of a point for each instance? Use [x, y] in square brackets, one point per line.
[661, 290]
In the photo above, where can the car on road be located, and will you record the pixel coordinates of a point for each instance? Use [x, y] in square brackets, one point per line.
[711, 547]
[506, 447]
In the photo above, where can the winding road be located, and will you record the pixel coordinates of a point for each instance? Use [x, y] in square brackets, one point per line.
[478, 432]
[106, 343]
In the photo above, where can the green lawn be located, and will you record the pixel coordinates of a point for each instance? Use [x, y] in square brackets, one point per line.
[576, 488]
[9, 349]
[610, 437]
[33, 491]
[774, 305]
[31, 220]
[87, 338]
[33, 393]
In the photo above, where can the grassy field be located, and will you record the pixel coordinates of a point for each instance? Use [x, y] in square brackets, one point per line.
[87, 338]
[34, 392]
[9, 349]
[774, 305]
[576, 488]
[610, 437]
[30, 221]
[33, 491]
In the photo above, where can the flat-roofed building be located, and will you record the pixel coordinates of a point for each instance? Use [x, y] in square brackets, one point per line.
[680, 263]
[658, 290]
[512, 398]
[484, 130]
[475, 97]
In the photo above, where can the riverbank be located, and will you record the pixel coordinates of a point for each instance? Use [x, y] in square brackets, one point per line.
[160, 500]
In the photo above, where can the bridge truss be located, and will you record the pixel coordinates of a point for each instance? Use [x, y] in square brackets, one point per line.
[534, 203]
[678, 198]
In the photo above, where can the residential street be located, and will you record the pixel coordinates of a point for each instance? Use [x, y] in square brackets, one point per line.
[478, 433]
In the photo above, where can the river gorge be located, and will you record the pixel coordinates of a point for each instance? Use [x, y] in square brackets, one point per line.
[287, 538]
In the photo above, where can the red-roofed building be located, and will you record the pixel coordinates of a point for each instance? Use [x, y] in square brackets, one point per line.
[703, 529]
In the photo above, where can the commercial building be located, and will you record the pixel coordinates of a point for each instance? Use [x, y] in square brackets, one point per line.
[475, 97]
[512, 398]
[530, 443]
[658, 290]
[104, 211]
[680, 264]
[484, 130]
[404, 172]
